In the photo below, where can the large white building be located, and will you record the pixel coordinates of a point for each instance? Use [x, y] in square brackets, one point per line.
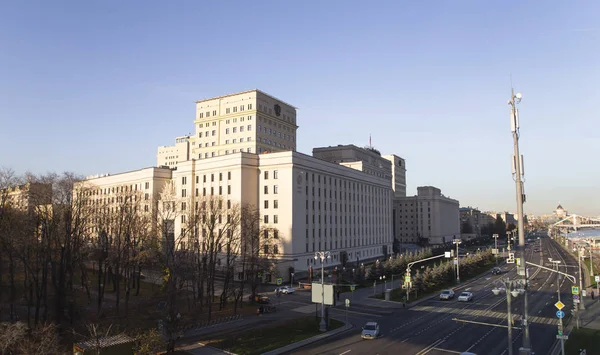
[244, 151]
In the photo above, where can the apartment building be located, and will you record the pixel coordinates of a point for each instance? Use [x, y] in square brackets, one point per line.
[428, 217]
[470, 219]
[26, 197]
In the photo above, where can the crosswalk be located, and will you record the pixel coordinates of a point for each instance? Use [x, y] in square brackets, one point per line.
[481, 313]
[305, 309]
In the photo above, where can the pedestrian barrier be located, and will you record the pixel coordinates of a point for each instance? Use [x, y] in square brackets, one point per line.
[212, 323]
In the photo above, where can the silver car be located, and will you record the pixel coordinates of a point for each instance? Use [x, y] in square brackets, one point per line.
[370, 331]
[446, 295]
[465, 297]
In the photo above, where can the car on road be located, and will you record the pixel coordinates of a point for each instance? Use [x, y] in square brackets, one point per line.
[465, 297]
[446, 295]
[370, 330]
[496, 271]
[285, 290]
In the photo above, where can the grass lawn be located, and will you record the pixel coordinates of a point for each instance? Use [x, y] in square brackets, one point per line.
[272, 337]
[583, 339]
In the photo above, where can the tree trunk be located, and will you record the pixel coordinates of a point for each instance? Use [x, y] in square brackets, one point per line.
[13, 289]
[139, 277]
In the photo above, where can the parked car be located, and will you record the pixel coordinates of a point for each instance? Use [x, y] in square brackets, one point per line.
[465, 297]
[370, 331]
[284, 289]
[446, 295]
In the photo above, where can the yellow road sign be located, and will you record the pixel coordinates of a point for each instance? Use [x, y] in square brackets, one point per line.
[575, 290]
[559, 305]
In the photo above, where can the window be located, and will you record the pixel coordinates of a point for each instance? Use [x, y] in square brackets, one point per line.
[212, 177]
[241, 128]
[220, 190]
[204, 178]
[227, 110]
[214, 113]
[228, 204]
[207, 114]
[214, 132]
[227, 131]
[242, 108]
[183, 206]
[204, 191]
[275, 189]
[147, 186]
[220, 176]
[266, 203]
[266, 234]
[266, 218]
[234, 129]
[275, 249]
[183, 193]
[266, 190]
[183, 219]
[200, 115]
[276, 203]
[266, 249]
[275, 218]
[275, 234]
[146, 196]
[229, 189]
[249, 106]
[200, 135]
[249, 128]
[275, 174]
[266, 175]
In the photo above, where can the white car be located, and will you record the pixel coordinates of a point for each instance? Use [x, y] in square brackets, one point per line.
[465, 297]
[446, 295]
[370, 331]
[284, 289]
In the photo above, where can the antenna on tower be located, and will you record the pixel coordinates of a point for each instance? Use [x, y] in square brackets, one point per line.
[370, 145]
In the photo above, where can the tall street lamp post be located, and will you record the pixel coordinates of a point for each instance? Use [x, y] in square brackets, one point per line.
[457, 242]
[510, 287]
[496, 247]
[323, 255]
[518, 173]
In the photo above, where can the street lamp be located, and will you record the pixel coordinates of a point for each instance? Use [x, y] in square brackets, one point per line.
[510, 287]
[496, 247]
[457, 242]
[323, 255]
[581, 303]
[382, 278]
[518, 173]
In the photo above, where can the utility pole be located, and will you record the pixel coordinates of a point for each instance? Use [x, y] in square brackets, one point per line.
[560, 323]
[518, 173]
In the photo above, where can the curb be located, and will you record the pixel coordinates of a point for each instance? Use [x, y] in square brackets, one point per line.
[305, 342]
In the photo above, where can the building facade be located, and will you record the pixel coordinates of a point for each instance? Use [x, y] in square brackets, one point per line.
[26, 197]
[470, 219]
[429, 217]
[172, 154]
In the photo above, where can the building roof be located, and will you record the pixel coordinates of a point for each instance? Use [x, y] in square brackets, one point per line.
[559, 207]
[246, 92]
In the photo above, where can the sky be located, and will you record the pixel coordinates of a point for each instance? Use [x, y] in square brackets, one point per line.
[96, 86]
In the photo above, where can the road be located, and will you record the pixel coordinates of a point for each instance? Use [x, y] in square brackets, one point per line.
[429, 328]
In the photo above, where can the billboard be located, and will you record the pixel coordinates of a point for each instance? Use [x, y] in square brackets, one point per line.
[317, 297]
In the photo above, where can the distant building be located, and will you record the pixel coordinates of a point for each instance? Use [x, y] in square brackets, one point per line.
[172, 154]
[471, 219]
[560, 212]
[26, 197]
[429, 216]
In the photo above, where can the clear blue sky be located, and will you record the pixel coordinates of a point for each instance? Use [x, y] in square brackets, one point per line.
[95, 86]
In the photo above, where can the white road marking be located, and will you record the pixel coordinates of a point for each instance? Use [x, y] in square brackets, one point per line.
[346, 352]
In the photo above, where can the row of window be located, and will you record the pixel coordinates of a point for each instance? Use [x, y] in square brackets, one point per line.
[214, 154]
[207, 114]
[273, 132]
[268, 110]
[117, 189]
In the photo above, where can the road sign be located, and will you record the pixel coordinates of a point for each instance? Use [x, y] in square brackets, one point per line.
[560, 314]
[279, 281]
[559, 305]
[352, 287]
[564, 337]
[597, 278]
[518, 261]
[406, 279]
[575, 290]
[347, 302]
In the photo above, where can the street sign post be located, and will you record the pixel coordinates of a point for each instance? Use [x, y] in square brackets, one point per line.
[279, 281]
[559, 305]
[560, 314]
[347, 305]
[562, 337]
[352, 287]
[575, 290]
[597, 278]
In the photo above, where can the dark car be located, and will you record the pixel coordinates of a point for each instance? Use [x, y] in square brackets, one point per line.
[496, 271]
[261, 299]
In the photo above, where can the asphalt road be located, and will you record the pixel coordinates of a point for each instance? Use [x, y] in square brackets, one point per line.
[431, 328]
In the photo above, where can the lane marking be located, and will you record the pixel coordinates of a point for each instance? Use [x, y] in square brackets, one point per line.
[346, 352]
